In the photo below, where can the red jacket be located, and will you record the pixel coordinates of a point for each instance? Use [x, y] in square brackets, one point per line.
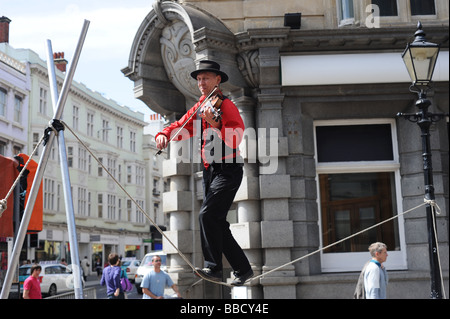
[231, 131]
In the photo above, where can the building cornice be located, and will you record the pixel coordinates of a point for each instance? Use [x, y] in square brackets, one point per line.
[86, 95]
[336, 40]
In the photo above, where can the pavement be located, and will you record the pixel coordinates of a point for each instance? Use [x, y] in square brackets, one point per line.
[92, 280]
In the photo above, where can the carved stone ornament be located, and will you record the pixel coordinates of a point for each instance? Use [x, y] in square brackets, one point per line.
[178, 55]
[248, 63]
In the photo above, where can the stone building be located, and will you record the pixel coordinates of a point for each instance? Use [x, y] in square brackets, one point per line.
[106, 219]
[14, 95]
[318, 84]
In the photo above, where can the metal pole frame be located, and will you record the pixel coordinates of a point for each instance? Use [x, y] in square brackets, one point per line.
[13, 262]
[70, 216]
[424, 120]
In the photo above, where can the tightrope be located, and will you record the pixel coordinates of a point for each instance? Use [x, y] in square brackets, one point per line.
[434, 206]
[337, 242]
[142, 210]
[432, 203]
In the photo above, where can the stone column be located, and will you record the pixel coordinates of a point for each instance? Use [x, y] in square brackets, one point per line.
[248, 229]
[277, 231]
[177, 203]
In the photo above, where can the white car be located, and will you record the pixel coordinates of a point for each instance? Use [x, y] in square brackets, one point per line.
[54, 278]
[146, 266]
[130, 265]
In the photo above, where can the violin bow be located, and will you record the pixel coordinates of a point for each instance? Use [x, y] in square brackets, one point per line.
[189, 118]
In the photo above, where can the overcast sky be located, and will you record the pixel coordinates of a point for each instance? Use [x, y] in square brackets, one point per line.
[113, 26]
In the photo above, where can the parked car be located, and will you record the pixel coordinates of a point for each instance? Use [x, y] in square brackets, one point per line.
[146, 266]
[130, 265]
[54, 278]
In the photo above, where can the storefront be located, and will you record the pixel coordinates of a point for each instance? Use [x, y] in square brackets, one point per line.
[54, 245]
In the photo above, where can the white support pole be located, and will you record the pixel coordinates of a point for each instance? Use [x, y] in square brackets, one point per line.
[41, 168]
[70, 215]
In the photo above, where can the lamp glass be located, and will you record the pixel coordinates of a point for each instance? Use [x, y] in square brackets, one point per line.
[420, 61]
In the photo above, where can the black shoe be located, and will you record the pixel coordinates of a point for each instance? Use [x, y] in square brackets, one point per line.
[241, 279]
[209, 274]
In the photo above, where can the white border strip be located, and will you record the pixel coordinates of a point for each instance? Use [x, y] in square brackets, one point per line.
[352, 69]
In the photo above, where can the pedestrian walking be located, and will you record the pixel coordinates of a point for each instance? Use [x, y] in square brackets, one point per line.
[376, 277]
[111, 278]
[154, 282]
[31, 285]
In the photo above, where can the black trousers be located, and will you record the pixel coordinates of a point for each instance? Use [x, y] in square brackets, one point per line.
[220, 184]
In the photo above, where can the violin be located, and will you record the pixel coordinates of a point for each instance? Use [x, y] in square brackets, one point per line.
[213, 102]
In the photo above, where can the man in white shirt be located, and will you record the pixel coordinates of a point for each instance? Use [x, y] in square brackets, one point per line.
[375, 275]
[156, 280]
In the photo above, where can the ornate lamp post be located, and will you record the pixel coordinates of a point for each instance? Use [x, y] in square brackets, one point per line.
[420, 59]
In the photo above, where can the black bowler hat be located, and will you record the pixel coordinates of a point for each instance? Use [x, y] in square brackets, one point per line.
[210, 66]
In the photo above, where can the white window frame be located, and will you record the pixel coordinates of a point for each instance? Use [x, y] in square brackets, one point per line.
[43, 100]
[90, 123]
[3, 102]
[354, 261]
[340, 6]
[75, 117]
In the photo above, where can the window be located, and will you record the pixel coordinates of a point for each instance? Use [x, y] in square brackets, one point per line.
[90, 124]
[89, 204]
[49, 194]
[155, 190]
[105, 131]
[422, 7]
[100, 169]
[36, 139]
[119, 208]
[17, 149]
[368, 143]
[139, 214]
[388, 8]
[70, 156]
[100, 205]
[111, 207]
[17, 109]
[345, 12]
[3, 100]
[129, 209]
[119, 137]
[140, 172]
[112, 166]
[58, 197]
[2, 148]
[133, 141]
[351, 202]
[129, 174]
[82, 158]
[359, 186]
[75, 117]
[82, 201]
[43, 101]
[54, 154]
[155, 209]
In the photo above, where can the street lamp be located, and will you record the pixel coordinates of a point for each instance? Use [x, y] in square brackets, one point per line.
[420, 59]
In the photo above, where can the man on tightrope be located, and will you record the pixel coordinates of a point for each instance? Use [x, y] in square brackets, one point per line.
[222, 172]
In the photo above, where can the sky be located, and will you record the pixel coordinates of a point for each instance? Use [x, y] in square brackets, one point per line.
[113, 26]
